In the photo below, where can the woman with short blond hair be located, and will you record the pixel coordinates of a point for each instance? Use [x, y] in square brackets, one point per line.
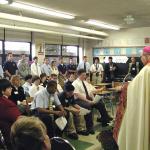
[29, 133]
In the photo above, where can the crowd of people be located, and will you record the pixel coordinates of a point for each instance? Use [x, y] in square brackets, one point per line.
[49, 92]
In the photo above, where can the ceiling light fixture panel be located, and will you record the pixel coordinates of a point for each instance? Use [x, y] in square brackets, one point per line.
[5, 2]
[49, 23]
[102, 24]
[48, 31]
[38, 9]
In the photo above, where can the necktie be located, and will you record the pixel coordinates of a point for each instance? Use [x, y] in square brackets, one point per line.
[96, 67]
[85, 66]
[50, 104]
[86, 91]
[37, 88]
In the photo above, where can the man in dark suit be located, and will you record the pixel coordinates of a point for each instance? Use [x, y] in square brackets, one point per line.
[110, 71]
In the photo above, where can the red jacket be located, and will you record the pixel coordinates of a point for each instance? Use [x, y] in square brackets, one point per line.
[8, 114]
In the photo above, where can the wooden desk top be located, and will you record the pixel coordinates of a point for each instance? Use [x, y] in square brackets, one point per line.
[102, 84]
[104, 92]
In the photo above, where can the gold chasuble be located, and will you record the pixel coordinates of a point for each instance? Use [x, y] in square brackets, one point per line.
[134, 133]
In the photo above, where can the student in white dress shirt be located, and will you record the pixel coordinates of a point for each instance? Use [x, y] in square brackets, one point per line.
[43, 102]
[35, 86]
[35, 67]
[85, 99]
[84, 65]
[97, 71]
[27, 85]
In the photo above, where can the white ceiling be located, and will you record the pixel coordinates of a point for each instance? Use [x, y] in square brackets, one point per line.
[110, 11]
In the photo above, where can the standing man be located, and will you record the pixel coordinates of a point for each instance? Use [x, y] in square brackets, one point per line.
[84, 65]
[71, 67]
[35, 67]
[10, 67]
[23, 66]
[134, 132]
[133, 67]
[45, 68]
[97, 71]
[110, 70]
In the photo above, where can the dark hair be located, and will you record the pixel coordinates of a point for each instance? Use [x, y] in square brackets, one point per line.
[34, 78]
[69, 74]
[84, 57]
[68, 87]
[53, 61]
[96, 58]
[10, 53]
[51, 83]
[29, 76]
[110, 58]
[43, 75]
[4, 84]
[35, 57]
[45, 58]
[80, 71]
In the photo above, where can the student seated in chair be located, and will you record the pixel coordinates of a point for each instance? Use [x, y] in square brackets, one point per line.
[76, 123]
[42, 106]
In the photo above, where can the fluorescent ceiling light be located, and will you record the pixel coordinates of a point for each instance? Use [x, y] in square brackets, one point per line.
[47, 31]
[38, 9]
[3, 1]
[102, 24]
[49, 23]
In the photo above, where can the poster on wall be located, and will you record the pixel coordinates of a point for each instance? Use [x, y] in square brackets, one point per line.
[106, 51]
[96, 52]
[128, 51]
[138, 51]
[117, 51]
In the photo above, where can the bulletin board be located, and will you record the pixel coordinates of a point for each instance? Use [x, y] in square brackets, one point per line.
[118, 51]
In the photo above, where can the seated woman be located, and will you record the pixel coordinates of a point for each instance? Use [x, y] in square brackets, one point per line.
[29, 133]
[8, 110]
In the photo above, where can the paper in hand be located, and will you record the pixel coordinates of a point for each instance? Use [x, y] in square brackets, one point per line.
[84, 111]
[96, 99]
[61, 122]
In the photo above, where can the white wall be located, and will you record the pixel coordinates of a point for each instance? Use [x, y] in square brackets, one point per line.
[133, 37]
[127, 37]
